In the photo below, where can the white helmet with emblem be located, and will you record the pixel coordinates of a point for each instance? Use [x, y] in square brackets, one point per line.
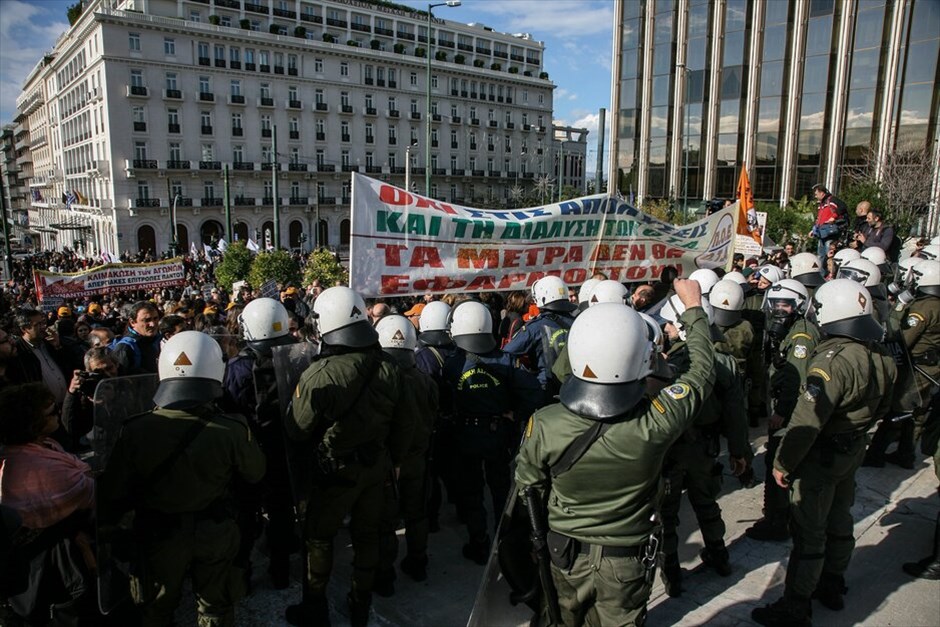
[931, 251]
[398, 338]
[877, 256]
[341, 318]
[658, 368]
[608, 375]
[471, 327]
[191, 370]
[927, 277]
[804, 267]
[608, 291]
[584, 294]
[770, 273]
[551, 294]
[433, 324]
[265, 323]
[706, 278]
[788, 291]
[845, 255]
[842, 307]
[727, 299]
[862, 271]
[735, 276]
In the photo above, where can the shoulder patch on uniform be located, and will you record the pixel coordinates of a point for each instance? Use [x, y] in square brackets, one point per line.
[678, 391]
[799, 351]
[913, 320]
[822, 373]
[659, 406]
[529, 426]
[799, 335]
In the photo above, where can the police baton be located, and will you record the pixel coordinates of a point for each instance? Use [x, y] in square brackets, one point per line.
[533, 505]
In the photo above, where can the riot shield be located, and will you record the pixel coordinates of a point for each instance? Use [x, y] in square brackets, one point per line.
[290, 361]
[906, 396]
[116, 400]
[509, 593]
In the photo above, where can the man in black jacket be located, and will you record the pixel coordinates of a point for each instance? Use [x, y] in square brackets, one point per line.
[39, 355]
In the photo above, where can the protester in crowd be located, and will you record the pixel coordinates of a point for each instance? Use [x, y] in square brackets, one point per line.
[878, 235]
[137, 351]
[78, 406]
[39, 355]
[828, 221]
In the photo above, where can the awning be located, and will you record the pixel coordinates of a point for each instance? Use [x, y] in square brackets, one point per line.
[44, 229]
[70, 226]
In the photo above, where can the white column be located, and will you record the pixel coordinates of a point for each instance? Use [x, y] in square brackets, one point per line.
[679, 97]
[645, 89]
[794, 93]
[892, 64]
[753, 91]
[710, 116]
[613, 181]
[840, 91]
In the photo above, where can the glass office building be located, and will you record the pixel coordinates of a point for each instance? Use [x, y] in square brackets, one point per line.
[796, 90]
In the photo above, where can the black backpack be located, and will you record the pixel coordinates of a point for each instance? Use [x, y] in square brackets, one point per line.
[842, 211]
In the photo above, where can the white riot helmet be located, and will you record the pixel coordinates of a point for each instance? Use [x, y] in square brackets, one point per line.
[862, 271]
[675, 308]
[608, 291]
[551, 294]
[931, 252]
[842, 307]
[398, 338]
[737, 277]
[341, 318]
[658, 368]
[471, 327]
[727, 299]
[927, 277]
[844, 256]
[769, 273]
[784, 302]
[191, 370]
[584, 294]
[878, 257]
[265, 323]
[433, 324]
[706, 278]
[608, 376]
[804, 267]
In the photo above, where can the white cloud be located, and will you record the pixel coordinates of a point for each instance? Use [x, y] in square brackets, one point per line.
[562, 18]
[27, 32]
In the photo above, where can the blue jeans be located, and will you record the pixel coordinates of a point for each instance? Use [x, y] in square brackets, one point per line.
[822, 251]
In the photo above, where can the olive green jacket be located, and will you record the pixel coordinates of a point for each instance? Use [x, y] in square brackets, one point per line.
[608, 496]
[371, 413]
[200, 476]
[738, 342]
[848, 386]
[419, 397]
[788, 367]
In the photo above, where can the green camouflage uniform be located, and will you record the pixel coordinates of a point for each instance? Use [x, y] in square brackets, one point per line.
[607, 499]
[184, 520]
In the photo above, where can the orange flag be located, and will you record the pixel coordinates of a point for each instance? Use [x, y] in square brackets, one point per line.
[747, 219]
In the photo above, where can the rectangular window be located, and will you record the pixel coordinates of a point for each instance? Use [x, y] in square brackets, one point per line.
[137, 78]
[236, 120]
[204, 85]
[414, 79]
[318, 65]
[133, 42]
[171, 80]
[203, 50]
[344, 69]
[236, 86]
[169, 46]
[234, 54]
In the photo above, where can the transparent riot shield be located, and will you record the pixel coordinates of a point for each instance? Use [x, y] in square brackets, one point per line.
[116, 400]
[290, 361]
[509, 592]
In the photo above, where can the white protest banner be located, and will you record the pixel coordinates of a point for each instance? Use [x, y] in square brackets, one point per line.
[402, 243]
[112, 277]
[746, 245]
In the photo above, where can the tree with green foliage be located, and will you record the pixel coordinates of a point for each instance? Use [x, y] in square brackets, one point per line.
[278, 265]
[790, 223]
[323, 266]
[74, 12]
[234, 266]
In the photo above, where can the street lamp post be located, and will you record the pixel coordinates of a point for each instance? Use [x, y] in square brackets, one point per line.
[408, 167]
[427, 121]
[174, 243]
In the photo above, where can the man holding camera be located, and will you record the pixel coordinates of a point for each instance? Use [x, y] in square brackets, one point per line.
[78, 414]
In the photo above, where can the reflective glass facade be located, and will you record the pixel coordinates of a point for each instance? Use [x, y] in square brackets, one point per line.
[796, 90]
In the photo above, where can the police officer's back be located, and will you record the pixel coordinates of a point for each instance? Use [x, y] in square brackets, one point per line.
[174, 466]
[603, 506]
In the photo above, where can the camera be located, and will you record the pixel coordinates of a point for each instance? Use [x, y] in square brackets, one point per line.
[89, 381]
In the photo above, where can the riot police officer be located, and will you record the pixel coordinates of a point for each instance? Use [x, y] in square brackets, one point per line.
[804, 267]
[491, 397]
[691, 461]
[866, 273]
[600, 506]
[848, 386]
[251, 389]
[543, 337]
[174, 466]
[398, 339]
[727, 301]
[791, 340]
[348, 407]
[756, 366]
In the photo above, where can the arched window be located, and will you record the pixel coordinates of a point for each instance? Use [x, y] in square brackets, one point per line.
[294, 232]
[241, 231]
[182, 238]
[267, 235]
[146, 239]
[323, 236]
[344, 233]
[211, 231]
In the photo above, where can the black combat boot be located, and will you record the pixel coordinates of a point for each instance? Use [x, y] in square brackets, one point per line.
[415, 566]
[672, 575]
[384, 583]
[314, 612]
[786, 612]
[829, 591]
[929, 567]
[359, 605]
[716, 557]
[478, 550]
[772, 529]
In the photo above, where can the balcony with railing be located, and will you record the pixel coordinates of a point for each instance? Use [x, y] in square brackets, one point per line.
[137, 90]
[205, 130]
[404, 35]
[177, 165]
[228, 4]
[147, 202]
[173, 128]
[296, 201]
[266, 132]
[236, 99]
[237, 131]
[295, 104]
[256, 8]
[206, 61]
[206, 96]
[415, 115]
[285, 13]
[350, 168]
[265, 102]
[182, 201]
[211, 202]
[309, 17]
[326, 167]
[394, 113]
[326, 200]
[322, 106]
[362, 28]
[144, 164]
[396, 169]
[293, 134]
[338, 23]
[321, 137]
[346, 108]
[140, 127]
[243, 165]
[267, 166]
[296, 167]
[244, 201]
[373, 169]
[385, 32]
[210, 165]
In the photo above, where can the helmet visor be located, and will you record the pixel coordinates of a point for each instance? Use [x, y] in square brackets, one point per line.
[853, 274]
